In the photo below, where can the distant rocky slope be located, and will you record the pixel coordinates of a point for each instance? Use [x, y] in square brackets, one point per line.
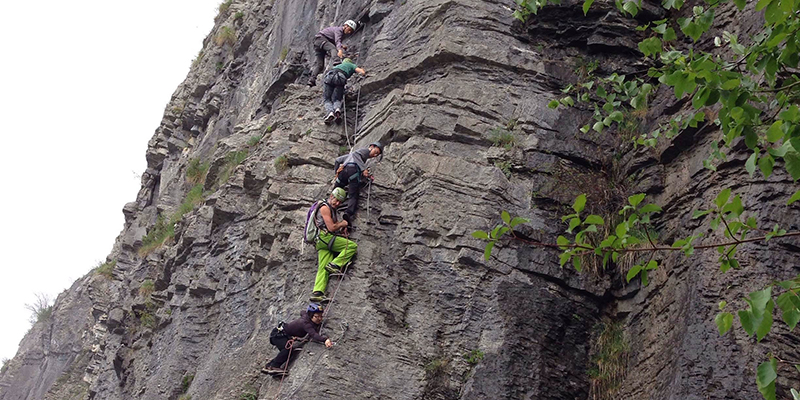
[421, 315]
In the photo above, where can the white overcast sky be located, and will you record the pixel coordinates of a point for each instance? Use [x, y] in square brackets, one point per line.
[83, 86]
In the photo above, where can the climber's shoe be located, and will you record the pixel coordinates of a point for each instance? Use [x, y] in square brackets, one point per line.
[270, 370]
[329, 118]
[318, 297]
[333, 268]
[312, 81]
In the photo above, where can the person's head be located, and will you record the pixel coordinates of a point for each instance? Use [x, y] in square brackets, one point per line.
[315, 312]
[337, 197]
[376, 149]
[349, 26]
[347, 60]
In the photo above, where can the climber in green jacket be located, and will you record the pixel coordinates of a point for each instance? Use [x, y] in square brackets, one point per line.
[334, 251]
[333, 93]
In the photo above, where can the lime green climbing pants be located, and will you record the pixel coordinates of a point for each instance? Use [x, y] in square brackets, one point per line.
[346, 249]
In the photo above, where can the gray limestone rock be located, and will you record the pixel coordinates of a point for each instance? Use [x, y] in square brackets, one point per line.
[420, 302]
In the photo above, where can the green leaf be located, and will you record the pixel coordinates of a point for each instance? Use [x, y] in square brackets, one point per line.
[740, 4]
[791, 114]
[795, 197]
[553, 104]
[480, 235]
[576, 262]
[792, 162]
[766, 373]
[594, 219]
[731, 84]
[650, 46]
[633, 272]
[685, 85]
[580, 202]
[746, 319]
[750, 165]
[505, 216]
[699, 213]
[789, 311]
[608, 241]
[487, 253]
[774, 133]
[670, 35]
[649, 208]
[631, 8]
[636, 199]
[734, 207]
[766, 322]
[795, 395]
[586, 5]
[563, 258]
[518, 220]
[562, 241]
[573, 223]
[651, 265]
[724, 321]
[722, 198]
[765, 164]
[502, 231]
[759, 299]
[598, 126]
[616, 116]
[722, 304]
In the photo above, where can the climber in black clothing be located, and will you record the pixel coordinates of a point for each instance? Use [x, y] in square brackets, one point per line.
[305, 328]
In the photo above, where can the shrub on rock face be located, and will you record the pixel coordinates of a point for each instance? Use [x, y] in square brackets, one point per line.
[226, 35]
[223, 8]
[106, 269]
[281, 163]
[196, 171]
[147, 288]
[41, 309]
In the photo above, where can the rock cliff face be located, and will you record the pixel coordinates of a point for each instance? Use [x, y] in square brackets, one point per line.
[192, 317]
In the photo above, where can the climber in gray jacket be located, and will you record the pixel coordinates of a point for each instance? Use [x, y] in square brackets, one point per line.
[351, 171]
[329, 42]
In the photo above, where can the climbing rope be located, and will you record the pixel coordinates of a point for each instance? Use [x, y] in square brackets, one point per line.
[369, 186]
[355, 126]
[322, 324]
[344, 110]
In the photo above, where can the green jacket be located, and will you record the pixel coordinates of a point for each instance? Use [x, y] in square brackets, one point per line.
[348, 68]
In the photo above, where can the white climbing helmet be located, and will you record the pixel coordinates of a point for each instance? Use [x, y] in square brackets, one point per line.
[350, 23]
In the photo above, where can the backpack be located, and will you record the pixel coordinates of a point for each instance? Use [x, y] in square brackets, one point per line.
[311, 232]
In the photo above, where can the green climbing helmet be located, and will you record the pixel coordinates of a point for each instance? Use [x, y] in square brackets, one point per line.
[347, 60]
[339, 194]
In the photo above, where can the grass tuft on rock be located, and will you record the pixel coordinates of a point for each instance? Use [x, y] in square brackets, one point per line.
[106, 269]
[610, 360]
[225, 36]
[281, 163]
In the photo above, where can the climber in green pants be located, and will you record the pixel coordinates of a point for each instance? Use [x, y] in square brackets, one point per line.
[334, 251]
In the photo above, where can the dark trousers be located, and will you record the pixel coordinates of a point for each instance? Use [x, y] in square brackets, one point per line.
[283, 354]
[322, 48]
[333, 93]
[353, 187]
